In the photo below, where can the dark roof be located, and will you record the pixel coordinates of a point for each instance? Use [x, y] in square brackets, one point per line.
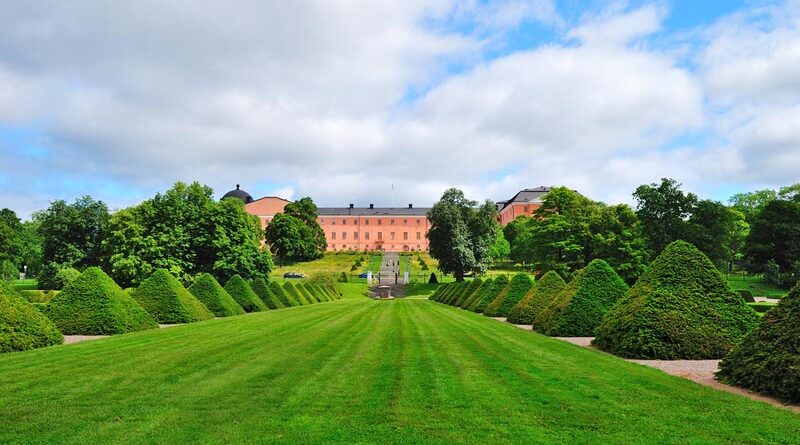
[239, 194]
[526, 195]
[376, 211]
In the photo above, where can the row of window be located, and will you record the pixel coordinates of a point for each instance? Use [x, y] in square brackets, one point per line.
[332, 221]
[380, 235]
[344, 247]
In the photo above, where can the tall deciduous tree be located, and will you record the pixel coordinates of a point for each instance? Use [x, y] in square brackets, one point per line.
[295, 234]
[186, 232]
[72, 233]
[775, 235]
[663, 210]
[461, 233]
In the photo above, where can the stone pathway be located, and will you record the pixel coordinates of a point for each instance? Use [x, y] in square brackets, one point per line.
[390, 267]
[767, 300]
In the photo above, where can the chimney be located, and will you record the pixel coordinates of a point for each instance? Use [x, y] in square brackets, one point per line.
[351, 206]
[411, 206]
[372, 206]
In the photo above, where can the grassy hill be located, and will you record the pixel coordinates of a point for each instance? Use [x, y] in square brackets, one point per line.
[361, 371]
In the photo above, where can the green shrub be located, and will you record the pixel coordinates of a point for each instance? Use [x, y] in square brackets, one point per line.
[432, 279]
[317, 292]
[22, 326]
[580, 306]
[761, 307]
[8, 271]
[490, 293]
[543, 292]
[466, 303]
[292, 291]
[459, 289]
[343, 277]
[768, 359]
[37, 296]
[501, 306]
[93, 304]
[261, 288]
[303, 290]
[165, 298]
[681, 308]
[436, 292]
[238, 288]
[206, 289]
[747, 296]
[55, 276]
[279, 292]
[448, 291]
[473, 286]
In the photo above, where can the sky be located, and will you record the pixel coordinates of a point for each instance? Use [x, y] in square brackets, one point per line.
[392, 102]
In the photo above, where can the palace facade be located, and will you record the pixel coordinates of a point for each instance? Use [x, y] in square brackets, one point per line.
[381, 228]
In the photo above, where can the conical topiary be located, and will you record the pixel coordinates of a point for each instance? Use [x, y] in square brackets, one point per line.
[541, 294]
[768, 359]
[579, 308]
[435, 295]
[474, 285]
[244, 295]
[520, 284]
[466, 303]
[303, 290]
[263, 291]
[461, 287]
[681, 308]
[499, 284]
[165, 298]
[209, 292]
[317, 291]
[93, 304]
[22, 326]
[279, 292]
[293, 293]
[451, 289]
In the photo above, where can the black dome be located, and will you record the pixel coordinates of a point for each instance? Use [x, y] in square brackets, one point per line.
[239, 194]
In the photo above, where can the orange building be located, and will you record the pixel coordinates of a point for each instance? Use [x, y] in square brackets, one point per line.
[525, 202]
[375, 228]
[354, 228]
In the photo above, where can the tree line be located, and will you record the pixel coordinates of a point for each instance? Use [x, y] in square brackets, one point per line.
[757, 231]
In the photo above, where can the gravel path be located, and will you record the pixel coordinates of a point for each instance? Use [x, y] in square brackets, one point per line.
[70, 339]
[766, 300]
[698, 371]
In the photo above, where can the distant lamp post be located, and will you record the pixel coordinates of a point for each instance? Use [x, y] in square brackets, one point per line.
[24, 272]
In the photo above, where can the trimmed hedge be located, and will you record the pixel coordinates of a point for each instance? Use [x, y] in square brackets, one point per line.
[490, 293]
[469, 300]
[520, 284]
[437, 292]
[208, 290]
[543, 292]
[38, 296]
[681, 308]
[747, 296]
[260, 287]
[165, 298]
[292, 291]
[447, 290]
[318, 292]
[285, 298]
[93, 304]
[768, 359]
[474, 285]
[303, 290]
[581, 305]
[22, 326]
[460, 288]
[244, 295]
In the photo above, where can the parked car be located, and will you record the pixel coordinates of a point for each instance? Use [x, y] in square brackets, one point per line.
[294, 275]
[362, 275]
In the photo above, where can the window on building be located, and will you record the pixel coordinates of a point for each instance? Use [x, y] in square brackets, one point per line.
[405, 236]
[405, 222]
[355, 222]
[391, 222]
[527, 209]
[379, 222]
[419, 221]
[333, 235]
[355, 235]
[391, 235]
[344, 222]
[366, 222]
[344, 235]
[322, 221]
[333, 222]
[366, 235]
[418, 235]
[380, 235]
[417, 246]
[344, 246]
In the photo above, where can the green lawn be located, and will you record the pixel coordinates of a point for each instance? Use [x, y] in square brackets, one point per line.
[361, 371]
[756, 285]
